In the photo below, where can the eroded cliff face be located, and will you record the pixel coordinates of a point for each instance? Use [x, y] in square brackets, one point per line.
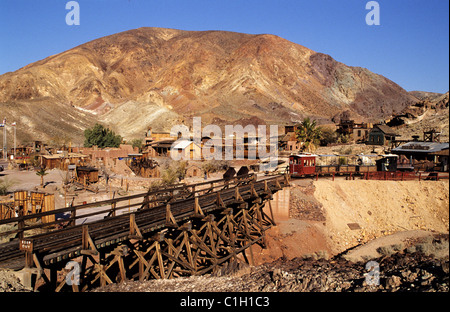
[159, 77]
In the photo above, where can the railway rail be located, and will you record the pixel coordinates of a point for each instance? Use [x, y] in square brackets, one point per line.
[186, 230]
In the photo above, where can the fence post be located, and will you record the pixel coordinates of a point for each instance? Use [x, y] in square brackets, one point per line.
[420, 176]
[73, 214]
[21, 223]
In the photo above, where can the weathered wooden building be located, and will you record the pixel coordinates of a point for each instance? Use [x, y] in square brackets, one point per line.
[62, 161]
[381, 135]
[358, 132]
[87, 175]
[435, 152]
[194, 171]
[186, 150]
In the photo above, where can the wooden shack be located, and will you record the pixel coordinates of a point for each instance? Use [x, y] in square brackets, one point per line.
[86, 174]
[61, 161]
[381, 135]
[194, 171]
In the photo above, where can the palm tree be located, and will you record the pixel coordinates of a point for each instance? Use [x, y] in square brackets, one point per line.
[42, 172]
[309, 134]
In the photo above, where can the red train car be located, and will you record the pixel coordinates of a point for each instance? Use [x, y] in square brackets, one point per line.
[302, 165]
[308, 165]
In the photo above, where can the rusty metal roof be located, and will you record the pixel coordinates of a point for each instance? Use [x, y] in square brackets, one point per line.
[421, 147]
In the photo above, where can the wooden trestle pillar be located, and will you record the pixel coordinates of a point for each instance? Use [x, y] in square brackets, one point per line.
[200, 244]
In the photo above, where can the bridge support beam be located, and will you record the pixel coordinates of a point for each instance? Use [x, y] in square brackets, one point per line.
[220, 229]
[196, 247]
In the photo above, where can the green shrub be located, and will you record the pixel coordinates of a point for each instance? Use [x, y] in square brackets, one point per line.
[102, 137]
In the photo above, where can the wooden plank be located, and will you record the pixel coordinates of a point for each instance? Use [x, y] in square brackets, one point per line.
[49, 205]
[134, 229]
[197, 208]
[170, 220]
[87, 244]
[160, 261]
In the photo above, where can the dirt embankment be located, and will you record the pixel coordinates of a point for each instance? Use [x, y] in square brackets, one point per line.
[327, 217]
[360, 211]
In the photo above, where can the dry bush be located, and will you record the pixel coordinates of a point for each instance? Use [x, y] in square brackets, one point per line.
[5, 184]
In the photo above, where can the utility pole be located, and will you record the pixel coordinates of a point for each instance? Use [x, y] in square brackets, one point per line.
[14, 125]
[3, 141]
[5, 147]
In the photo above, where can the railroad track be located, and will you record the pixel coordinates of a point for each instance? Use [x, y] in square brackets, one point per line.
[65, 244]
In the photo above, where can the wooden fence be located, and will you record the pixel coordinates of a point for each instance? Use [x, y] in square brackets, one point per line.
[406, 176]
[25, 203]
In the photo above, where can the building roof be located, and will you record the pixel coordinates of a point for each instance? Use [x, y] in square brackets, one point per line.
[307, 155]
[163, 143]
[290, 136]
[86, 169]
[59, 156]
[385, 129]
[421, 147]
[182, 144]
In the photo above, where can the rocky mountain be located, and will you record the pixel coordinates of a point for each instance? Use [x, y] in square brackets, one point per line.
[429, 112]
[159, 77]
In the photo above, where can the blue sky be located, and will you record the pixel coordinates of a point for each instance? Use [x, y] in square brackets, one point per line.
[410, 46]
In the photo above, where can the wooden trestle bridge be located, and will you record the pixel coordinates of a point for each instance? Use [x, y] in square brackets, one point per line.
[166, 233]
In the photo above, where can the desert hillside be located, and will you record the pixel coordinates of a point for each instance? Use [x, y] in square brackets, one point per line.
[158, 77]
[430, 112]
